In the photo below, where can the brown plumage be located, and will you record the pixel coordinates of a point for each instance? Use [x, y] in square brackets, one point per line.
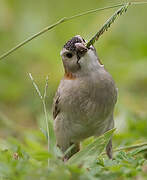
[84, 103]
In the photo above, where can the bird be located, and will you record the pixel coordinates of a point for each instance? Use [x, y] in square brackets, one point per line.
[84, 103]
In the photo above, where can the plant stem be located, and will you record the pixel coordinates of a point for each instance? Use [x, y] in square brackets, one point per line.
[43, 98]
[127, 148]
[130, 147]
[45, 113]
[62, 20]
[107, 24]
[65, 19]
[47, 126]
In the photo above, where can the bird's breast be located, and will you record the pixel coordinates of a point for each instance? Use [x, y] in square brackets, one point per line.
[89, 98]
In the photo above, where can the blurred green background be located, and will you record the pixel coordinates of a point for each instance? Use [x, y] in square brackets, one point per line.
[123, 50]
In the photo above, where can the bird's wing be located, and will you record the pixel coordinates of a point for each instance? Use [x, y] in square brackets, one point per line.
[56, 108]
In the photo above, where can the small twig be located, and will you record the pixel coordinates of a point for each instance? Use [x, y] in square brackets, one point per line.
[43, 99]
[108, 24]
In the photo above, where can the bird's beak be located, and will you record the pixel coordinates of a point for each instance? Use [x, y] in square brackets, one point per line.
[81, 49]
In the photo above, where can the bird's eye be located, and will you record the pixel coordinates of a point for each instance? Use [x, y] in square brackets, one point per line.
[69, 55]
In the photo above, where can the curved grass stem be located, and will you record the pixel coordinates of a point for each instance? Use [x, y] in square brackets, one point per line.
[43, 100]
[62, 20]
[128, 148]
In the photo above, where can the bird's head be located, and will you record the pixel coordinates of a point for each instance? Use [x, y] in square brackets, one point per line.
[77, 57]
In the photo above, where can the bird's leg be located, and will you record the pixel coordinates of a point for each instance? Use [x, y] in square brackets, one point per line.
[109, 149]
[74, 150]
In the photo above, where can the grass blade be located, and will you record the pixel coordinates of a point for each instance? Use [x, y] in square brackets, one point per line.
[90, 152]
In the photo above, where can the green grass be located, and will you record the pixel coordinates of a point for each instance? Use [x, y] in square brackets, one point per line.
[35, 155]
[23, 138]
[27, 158]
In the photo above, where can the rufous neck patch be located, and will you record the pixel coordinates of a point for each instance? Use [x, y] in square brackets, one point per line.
[69, 76]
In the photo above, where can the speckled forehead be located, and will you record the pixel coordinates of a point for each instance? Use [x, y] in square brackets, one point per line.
[70, 45]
